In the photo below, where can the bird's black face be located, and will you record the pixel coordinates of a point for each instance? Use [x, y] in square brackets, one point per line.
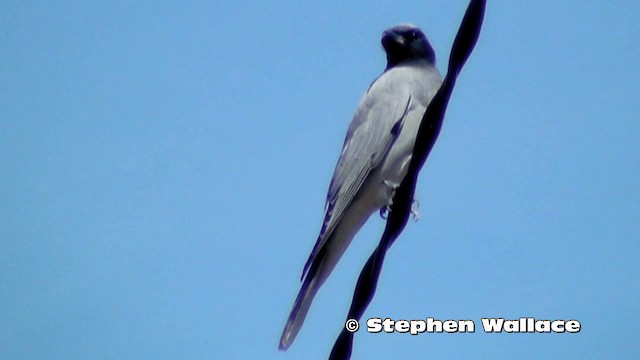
[406, 42]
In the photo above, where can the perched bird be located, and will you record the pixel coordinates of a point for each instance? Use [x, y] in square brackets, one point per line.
[374, 158]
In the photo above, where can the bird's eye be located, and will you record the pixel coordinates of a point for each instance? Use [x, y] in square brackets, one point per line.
[413, 34]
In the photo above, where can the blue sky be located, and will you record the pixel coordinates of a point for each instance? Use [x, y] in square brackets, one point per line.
[165, 166]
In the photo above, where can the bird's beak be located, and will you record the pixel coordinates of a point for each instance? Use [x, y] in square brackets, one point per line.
[389, 37]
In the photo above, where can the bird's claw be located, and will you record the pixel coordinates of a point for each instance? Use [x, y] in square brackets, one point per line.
[384, 211]
[415, 204]
[414, 209]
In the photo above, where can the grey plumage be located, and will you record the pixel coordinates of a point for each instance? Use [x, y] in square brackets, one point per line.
[374, 158]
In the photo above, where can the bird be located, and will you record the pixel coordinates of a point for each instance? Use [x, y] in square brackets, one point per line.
[374, 159]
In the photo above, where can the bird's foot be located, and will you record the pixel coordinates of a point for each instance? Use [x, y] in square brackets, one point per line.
[384, 212]
[414, 209]
[393, 186]
[415, 204]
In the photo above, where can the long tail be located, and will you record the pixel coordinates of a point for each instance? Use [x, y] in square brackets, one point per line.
[301, 306]
[321, 267]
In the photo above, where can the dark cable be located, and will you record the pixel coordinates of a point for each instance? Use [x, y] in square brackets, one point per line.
[427, 134]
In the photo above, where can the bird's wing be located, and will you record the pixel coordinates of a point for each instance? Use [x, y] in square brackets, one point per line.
[374, 128]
